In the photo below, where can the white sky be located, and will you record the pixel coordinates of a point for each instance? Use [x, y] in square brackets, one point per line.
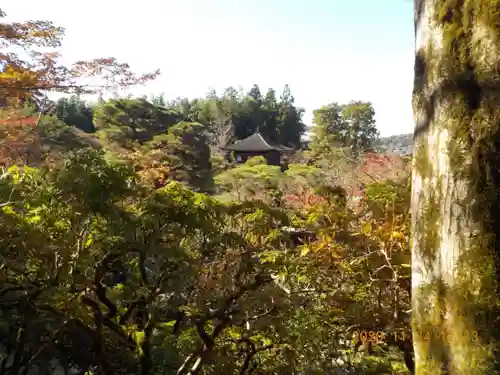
[326, 50]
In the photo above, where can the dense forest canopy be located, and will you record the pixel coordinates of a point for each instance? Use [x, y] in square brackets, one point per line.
[133, 242]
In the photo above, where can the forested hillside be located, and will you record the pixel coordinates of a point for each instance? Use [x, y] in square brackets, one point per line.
[133, 242]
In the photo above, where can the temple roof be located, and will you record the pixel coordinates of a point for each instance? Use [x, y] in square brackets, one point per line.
[256, 143]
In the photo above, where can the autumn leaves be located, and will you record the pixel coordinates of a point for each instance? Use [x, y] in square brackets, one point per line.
[31, 63]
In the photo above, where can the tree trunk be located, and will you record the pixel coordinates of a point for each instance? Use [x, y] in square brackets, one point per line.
[456, 187]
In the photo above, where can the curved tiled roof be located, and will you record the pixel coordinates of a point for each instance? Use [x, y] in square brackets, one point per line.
[256, 143]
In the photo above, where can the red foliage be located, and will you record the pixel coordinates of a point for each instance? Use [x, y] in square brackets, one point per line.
[17, 141]
[23, 121]
[374, 168]
[381, 166]
[304, 199]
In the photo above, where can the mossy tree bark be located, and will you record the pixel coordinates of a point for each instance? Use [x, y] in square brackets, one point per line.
[456, 187]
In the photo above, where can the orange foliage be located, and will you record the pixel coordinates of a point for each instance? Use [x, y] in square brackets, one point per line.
[382, 166]
[19, 143]
[30, 121]
[376, 168]
[27, 68]
[304, 199]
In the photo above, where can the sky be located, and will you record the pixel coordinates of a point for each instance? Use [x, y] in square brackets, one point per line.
[326, 50]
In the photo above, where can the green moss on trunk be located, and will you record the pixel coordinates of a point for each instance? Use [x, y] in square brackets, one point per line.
[468, 90]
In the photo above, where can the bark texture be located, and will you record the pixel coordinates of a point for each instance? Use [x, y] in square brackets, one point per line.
[456, 187]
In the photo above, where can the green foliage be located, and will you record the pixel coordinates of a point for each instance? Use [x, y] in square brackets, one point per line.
[350, 125]
[93, 184]
[234, 115]
[118, 258]
[132, 120]
[251, 180]
[74, 111]
[58, 136]
[184, 148]
[115, 258]
[329, 126]
[290, 126]
[308, 173]
[360, 117]
[382, 197]
[158, 100]
[208, 278]
[86, 227]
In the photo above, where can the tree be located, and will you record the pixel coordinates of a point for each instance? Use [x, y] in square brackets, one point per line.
[103, 272]
[361, 130]
[455, 197]
[290, 126]
[255, 93]
[253, 180]
[39, 69]
[26, 138]
[329, 127]
[158, 100]
[98, 273]
[348, 125]
[75, 112]
[187, 154]
[132, 120]
[270, 109]
[217, 121]
[249, 119]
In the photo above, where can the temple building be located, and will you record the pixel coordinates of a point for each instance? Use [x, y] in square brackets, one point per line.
[257, 145]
